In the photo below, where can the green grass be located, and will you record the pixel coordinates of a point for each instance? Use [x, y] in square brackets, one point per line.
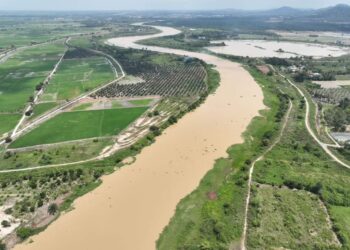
[299, 163]
[83, 106]
[80, 125]
[21, 73]
[8, 122]
[41, 108]
[341, 217]
[281, 218]
[64, 153]
[141, 102]
[76, 76]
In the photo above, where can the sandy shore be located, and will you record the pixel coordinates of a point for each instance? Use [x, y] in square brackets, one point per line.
[133, 205]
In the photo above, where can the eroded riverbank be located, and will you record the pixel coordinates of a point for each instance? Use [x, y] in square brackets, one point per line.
[133, 205]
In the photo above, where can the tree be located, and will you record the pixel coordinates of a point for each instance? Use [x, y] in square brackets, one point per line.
[52, 209]
[5, 223]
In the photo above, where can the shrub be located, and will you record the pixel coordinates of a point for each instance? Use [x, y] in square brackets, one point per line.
[5, 223]
[24, 232]
[52, 209]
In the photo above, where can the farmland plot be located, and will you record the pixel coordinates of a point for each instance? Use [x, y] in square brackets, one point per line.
[80, 125]
[180, 80]
[79, 75]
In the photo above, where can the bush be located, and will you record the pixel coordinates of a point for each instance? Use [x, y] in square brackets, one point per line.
[52, 209]
[5, 223]
[24, 232]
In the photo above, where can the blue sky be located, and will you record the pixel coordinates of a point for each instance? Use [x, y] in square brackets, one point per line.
[159, 4]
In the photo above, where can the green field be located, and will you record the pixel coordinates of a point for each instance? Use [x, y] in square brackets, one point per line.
[8, 122]
[80, 125]
[141, 102]
[282, 218]
[341, 218]
[54, 154]
[21, 73]
[76, 76]
[41, 108]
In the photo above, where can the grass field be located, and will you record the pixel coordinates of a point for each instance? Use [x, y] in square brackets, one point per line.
[54, 154]
[288, 219]
[22, 72]
[76, 76]
[341, 218]
[141, 102]
[8, 122]
[41, 108]
[79, 125]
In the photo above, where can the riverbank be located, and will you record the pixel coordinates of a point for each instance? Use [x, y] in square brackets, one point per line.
[133, 205]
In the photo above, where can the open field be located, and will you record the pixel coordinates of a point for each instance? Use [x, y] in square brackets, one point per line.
[80, 125]
[289, 219]
[8, 122]
[79, 75]
[22, 72]
[53, 154]
[41, 108]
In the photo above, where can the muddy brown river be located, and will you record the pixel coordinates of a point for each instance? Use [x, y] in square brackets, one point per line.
[133, 205]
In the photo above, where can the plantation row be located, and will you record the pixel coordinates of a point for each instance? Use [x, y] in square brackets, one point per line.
[188, 80]
[332, 96]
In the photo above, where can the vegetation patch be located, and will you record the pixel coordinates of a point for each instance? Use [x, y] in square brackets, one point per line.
[20, 75]
[289, 219]
[8, 122]
[76, 76]
[80, 125]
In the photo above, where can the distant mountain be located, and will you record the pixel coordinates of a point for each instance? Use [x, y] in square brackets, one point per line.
[285, 12]
[340, 13]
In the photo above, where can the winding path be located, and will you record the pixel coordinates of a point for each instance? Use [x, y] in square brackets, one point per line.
[251, 171]
[133, 205]
[324, 146]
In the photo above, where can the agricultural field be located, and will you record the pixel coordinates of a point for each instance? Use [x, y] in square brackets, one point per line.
[42, 108]
[8, 122]
[188, 80]
[24, 32]
[78, 75]
[80, 125]
[22, 72]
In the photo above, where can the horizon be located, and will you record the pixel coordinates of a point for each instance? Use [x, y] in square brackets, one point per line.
[158, 5]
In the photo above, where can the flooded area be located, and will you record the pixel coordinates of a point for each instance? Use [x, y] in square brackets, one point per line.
[262, 48]
[134, 204]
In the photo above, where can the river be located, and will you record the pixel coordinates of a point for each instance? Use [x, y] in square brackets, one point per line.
[133, 205]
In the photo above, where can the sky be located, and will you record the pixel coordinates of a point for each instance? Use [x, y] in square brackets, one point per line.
[160, 4]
